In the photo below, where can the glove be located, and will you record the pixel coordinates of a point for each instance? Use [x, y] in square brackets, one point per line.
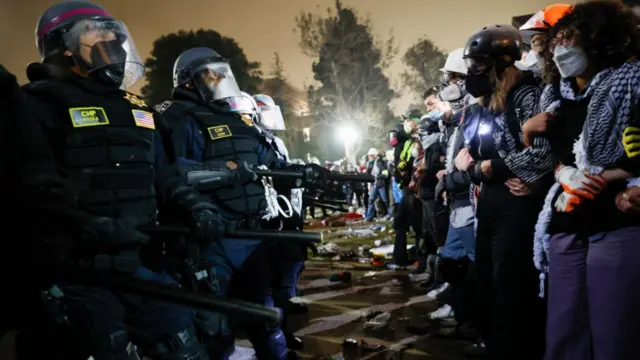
[631, 141]
[567, 203]
[577, 183]
[243, 173]
[105, 234]
[314, 174]
[207, 226]
[402, 165]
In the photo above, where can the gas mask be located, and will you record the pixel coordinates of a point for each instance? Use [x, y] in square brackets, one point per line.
[571, 61]
[408, 126]
[109, 59]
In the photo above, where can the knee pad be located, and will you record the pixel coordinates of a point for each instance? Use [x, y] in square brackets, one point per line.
[453, 271]
[183, 345]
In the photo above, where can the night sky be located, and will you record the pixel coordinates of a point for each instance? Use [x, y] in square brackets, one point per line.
[263, 27]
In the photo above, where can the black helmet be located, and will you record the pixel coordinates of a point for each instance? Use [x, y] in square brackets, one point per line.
[60, 17]
[492, 43]
[208, 72]
[70, 26]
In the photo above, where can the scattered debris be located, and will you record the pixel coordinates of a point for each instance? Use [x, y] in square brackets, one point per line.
[379, 322]
[328, 249]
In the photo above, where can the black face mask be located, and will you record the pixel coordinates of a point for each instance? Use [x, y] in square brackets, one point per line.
[111, 70]
[478, 85]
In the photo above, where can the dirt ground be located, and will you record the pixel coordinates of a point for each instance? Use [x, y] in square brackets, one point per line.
[336, 308]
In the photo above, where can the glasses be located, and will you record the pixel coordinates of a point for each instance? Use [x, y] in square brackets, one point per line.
[564, 38]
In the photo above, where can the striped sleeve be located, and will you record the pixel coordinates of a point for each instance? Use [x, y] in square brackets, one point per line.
[532, 163]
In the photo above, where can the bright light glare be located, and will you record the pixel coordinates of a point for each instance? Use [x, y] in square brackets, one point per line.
[347, 133]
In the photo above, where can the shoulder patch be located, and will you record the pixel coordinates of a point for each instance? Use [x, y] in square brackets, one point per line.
[163, 106]
[135, 100]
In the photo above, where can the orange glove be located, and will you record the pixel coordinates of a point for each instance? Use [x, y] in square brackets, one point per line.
[576, 182]
[567, 202]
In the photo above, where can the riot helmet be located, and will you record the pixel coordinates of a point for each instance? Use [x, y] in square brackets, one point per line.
[99, 45]
[205, 71]
[270, 116]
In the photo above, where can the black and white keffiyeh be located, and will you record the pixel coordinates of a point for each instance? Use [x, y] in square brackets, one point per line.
[613, 94]
[549, 98]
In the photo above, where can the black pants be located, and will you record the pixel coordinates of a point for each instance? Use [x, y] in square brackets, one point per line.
[435, 224]
[407, 213]
[512, 317]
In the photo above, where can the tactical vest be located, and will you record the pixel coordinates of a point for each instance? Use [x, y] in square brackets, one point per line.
[104, 146]
[228, 137]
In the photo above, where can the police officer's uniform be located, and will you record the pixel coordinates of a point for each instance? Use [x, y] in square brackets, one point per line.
[109, 150]
[206, 136]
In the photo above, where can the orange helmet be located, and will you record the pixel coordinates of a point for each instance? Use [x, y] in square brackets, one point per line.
[541, 21]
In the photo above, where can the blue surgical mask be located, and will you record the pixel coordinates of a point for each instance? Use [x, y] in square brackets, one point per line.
[435, 115]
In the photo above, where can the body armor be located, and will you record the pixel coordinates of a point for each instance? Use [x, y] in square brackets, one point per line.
[105, 147]
[228, 138]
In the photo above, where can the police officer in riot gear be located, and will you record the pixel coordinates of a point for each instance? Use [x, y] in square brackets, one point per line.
[111, 164]
[288, 258]
[210, 132]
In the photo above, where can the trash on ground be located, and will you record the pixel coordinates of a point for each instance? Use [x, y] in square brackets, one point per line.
[379, 322]
[341, 276]
[328, 249]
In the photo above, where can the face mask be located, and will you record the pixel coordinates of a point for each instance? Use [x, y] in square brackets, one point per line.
[415, 152]
[478, 85]
[111, 74]
[571, 61]
[393, 140]
[450, 93]
[408, 126]
[435, 115]
[531, 62]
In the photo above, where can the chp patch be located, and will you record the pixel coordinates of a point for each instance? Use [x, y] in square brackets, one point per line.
[219, 132]
[144, 119]
[88, 116]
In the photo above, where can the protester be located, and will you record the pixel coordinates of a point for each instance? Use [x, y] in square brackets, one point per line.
[586, 225]
[508, 203]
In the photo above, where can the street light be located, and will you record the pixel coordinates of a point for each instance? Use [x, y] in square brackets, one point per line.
[347, 134]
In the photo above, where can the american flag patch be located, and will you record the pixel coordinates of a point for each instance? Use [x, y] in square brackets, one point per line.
[143, 119]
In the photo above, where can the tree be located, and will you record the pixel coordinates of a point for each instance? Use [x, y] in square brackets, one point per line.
[423, 61]
[349, 66]
[167, 48]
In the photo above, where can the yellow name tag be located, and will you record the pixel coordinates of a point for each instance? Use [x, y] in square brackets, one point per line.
[219, 132]
[88, 116]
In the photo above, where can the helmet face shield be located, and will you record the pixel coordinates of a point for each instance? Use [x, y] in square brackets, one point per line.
[216, 81]
[271, 118]
[105, 45]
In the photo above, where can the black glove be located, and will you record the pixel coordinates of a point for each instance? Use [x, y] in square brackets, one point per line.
[314, 175]
[105, 234]
[243, 173]
[207, 226]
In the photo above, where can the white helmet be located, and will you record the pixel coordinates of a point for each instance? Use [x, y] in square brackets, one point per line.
[372, 152]
[270, 115]
[455, 63]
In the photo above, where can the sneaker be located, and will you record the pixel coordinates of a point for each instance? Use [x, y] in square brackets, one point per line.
[476, 350]
[426, 277]
[439, 291]
[443, 312]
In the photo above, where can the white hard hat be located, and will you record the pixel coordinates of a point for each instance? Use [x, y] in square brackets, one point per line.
[372, 151]
[455, 63]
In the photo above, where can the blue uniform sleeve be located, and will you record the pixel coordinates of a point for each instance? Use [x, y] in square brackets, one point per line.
[268, 158]
[188, 143]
